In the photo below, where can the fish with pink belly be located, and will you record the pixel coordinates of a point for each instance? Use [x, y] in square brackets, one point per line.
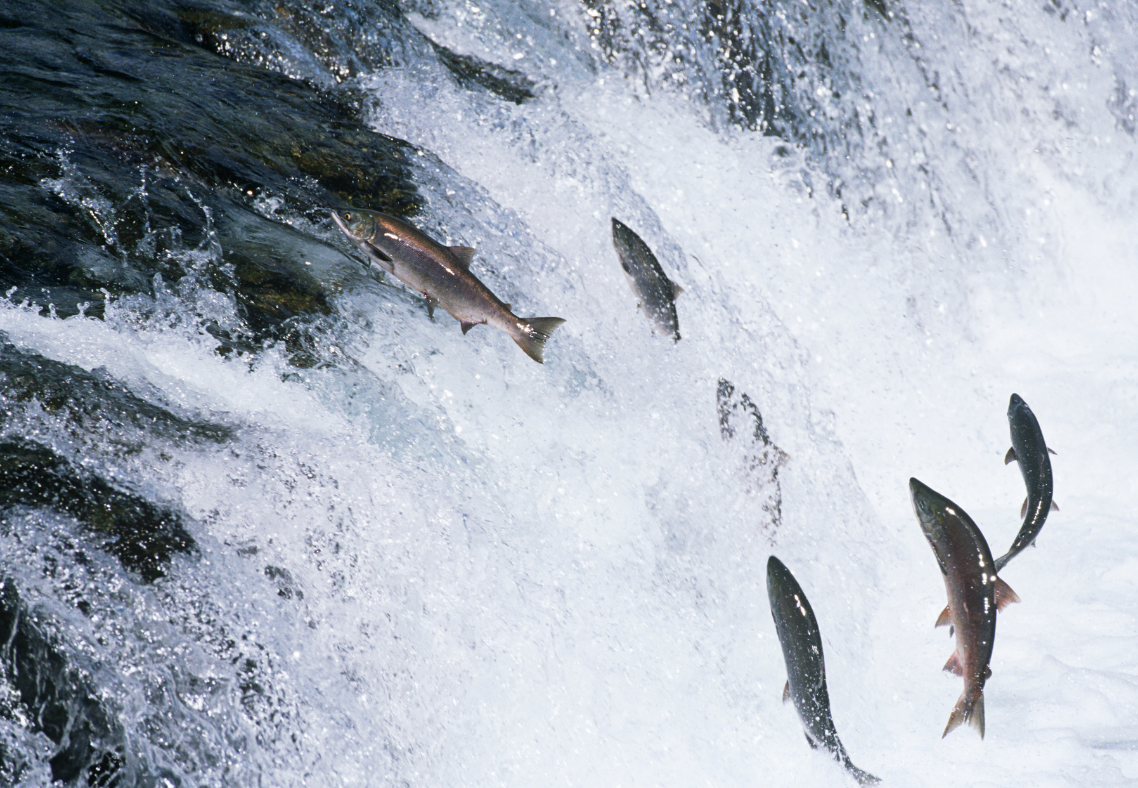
[442, 274]
[975, 594]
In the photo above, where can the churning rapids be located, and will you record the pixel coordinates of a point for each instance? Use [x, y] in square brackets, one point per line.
[264, 522]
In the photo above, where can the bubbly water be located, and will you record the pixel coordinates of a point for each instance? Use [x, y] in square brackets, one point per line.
[425, 560]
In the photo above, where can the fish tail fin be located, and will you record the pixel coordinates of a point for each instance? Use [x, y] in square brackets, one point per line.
[531, 334]
[862, 777]
[970, 709]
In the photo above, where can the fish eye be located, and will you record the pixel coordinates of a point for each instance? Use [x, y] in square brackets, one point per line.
[347, 217]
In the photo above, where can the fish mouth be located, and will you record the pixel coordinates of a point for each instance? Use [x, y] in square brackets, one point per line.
[922, 505]
[342, 225]
[367, 247]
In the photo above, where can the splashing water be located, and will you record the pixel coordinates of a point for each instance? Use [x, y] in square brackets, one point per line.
[386, 553]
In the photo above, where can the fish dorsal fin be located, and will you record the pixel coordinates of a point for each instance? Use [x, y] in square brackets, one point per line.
[786, 692]
[944, 619]
[676, 290]
[1004, 594]
[1011, 455]
[464, 254]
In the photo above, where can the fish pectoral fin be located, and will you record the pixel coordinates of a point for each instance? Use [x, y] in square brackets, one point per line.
[431, 302]
[953, 665]
[1023, 509]
[786, 691]
[944, 619]
[810, 741]
[1011, 455]
[1052, 451]
[463, 254]
[381, 257]
[1004, 594]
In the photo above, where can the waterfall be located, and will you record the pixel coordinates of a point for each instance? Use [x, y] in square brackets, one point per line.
[263, 521]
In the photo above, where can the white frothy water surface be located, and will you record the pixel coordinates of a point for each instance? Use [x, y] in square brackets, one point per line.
[435, 562]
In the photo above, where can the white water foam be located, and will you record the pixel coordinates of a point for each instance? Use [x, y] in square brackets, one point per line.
[524, 575]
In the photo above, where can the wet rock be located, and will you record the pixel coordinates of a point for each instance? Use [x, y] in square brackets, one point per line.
[92, 402]
[49, 695]
[779, 68]
[128, 148]
[141, 534]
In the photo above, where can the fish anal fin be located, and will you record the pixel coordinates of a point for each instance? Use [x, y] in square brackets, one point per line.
[1023, 509]
[786, 692]
[953, 665]
[1004, 594]
[944, 619]
[463, 254]
[1011, 455]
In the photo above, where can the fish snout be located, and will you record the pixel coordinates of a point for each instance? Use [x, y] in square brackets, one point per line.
[342, 224]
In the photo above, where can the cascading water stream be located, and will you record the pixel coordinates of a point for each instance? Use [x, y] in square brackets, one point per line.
[264, 522]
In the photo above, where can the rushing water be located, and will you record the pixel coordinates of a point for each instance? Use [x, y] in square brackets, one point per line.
[264, 522]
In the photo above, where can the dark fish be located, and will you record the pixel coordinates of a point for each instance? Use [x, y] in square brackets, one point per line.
[806, 673]
[654, 291]
[974, 596]
[442, 274]
[1030, 451]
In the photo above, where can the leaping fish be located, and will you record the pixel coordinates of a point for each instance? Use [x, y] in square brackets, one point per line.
[442, 274]
[974, 596]
[805, 669]
[654, 291]
[1030, 451]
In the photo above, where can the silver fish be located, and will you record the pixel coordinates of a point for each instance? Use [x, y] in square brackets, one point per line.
[805, 669]
[974, 596]
[1030, 451]
[442, 274]
[654, 291]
